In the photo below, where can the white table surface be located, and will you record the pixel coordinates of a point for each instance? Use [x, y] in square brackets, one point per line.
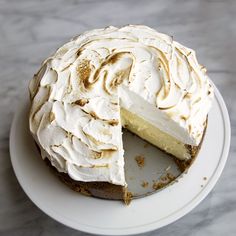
[31, 30]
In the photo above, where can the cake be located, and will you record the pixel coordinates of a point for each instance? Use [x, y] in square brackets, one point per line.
[105, 79]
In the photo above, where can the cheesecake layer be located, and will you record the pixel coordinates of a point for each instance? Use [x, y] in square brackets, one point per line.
[154, 135]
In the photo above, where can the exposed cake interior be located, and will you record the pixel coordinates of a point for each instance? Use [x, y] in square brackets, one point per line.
[153, 125]
[154, 135]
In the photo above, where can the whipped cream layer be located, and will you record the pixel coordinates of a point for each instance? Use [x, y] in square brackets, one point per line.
[77, 94]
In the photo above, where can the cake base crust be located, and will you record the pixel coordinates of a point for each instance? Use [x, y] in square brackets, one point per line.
[103, 190]
[193, 150]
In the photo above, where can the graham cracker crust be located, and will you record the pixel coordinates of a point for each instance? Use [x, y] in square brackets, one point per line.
[184, 165]
[102, 190]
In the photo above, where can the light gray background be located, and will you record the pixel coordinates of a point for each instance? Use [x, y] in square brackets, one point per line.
[31, 30]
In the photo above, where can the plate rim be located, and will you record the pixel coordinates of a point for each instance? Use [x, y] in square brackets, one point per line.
[149, 226]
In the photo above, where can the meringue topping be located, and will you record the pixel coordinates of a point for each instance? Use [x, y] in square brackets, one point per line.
[77, 94]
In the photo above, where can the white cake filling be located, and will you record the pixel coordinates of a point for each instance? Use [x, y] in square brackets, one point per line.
[78, 92]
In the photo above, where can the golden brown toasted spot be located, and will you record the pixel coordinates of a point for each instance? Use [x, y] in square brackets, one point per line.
[91, 138]
[187, 95]
[69, 135]
[94, 115]
[177, 86]
[51, 117]
[109, 60]
[94, 166]
[84, 71]
[114, 58]
[96, 74]
[196, 101]
[65, 68]
[183, 118]
[120, 76]
[99, 166]
[166, 108]
[81, 102]
[55, 145]
[104, 82]
[107, 153]
[203, 68]
[190, 128]
[79, 52]
[113, 122]
[96, 155]
[69, 89]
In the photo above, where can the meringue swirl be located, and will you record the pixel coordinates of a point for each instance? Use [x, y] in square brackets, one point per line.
[78, 91]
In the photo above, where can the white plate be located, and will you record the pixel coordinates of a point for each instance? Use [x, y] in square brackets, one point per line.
[112, 217]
